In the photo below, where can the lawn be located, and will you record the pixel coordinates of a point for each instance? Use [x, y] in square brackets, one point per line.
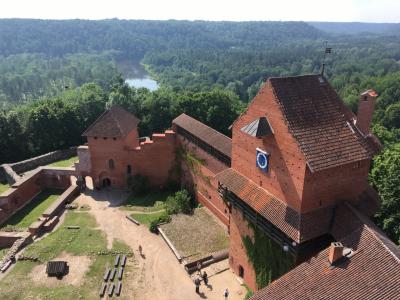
[87, 241]
[64, 163]
[3, 251]
[197, 235]
[4, 187]
[147, 218]
[151, 202]
[32, 211]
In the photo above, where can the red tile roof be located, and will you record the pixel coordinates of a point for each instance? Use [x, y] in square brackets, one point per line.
[320, 122]
[372, 272]
[114, 122]
[205, 133]
[298, 227]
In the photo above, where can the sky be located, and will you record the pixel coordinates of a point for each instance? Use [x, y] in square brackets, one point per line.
[234, 10]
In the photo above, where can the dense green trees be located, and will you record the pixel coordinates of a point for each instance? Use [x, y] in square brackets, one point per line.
[58, 122]
[385, 176]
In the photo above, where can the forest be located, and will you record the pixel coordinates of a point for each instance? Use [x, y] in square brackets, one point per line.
[56, 77]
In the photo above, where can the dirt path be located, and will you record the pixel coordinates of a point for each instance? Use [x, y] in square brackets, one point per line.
[158, 275]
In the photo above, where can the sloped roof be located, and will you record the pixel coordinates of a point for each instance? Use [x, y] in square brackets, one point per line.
[320, 122]
[205, 133]
[260, 127]
[296, 226]
[114, 122]
[372, 272]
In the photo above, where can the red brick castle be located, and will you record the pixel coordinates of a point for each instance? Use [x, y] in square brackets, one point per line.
[294, 175]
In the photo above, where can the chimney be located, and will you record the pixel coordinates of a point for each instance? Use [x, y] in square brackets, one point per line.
[335, 252]
[365, 111]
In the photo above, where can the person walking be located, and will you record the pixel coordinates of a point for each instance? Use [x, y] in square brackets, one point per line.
[197, 283]
[226, 294]
[205, 278]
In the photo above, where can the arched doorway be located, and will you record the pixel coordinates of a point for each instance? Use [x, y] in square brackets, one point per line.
[106, 182]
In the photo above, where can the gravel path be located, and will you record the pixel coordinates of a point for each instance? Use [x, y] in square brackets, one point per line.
[157, 275]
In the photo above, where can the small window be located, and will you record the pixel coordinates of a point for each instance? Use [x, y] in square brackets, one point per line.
[104, 138]
[241, 271]
[95, 137]
[357, 165]
[111, 164]
[114, 139]
[129, 170]
[365, 98]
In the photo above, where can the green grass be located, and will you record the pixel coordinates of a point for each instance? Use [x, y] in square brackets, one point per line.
[146, 219]
[3, 251]
[4, 187]
[31, 212]
[64, 163]
[150, 202]
[87, 241]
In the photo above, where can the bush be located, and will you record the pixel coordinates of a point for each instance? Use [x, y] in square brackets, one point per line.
[162, 219]
[138, 184]
[179, 203]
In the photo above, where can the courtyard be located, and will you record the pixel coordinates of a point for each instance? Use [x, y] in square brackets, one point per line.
[104, 231]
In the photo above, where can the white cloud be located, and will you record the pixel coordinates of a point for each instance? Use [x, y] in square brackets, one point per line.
[307, 10]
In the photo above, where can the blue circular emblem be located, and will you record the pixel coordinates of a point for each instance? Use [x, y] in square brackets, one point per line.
[262, 160]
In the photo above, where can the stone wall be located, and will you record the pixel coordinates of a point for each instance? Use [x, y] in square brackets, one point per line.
[42, 160]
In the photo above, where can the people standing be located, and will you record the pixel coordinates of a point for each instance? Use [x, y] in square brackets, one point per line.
[197, 283]
[226, 294]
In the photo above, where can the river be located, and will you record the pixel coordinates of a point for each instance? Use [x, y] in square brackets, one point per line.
[136, 76]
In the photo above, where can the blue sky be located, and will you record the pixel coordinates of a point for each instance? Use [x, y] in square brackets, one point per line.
[236, 10]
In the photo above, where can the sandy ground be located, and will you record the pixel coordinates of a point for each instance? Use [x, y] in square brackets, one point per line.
[157, 275]
[78, 266]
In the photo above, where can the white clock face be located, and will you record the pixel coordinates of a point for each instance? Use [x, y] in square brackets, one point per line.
[262, 160]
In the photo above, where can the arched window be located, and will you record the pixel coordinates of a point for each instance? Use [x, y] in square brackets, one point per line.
[111, 164]
[129, 170]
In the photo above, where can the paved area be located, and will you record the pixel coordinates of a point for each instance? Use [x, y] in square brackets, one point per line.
[157, 274]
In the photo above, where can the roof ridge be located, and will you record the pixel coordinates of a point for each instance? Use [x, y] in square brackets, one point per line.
[95, 121]
[377, 233]
[116, 119]
[202, 124]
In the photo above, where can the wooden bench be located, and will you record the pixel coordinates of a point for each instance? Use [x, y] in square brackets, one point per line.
[111, 289]
[103, 289]
[116, 262]
[118, 289]
[123, 261]
[113, 273]
[120, 272]
[106, 274]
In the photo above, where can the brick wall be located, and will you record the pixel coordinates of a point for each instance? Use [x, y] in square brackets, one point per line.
[334, 185]
[154, 158]
[239, 228]
[203, 180]
[287, 164]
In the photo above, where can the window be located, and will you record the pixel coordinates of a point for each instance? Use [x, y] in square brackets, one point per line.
[104, 138]
[241, 271]
[95, 137]
[111, 164]
[114, 139]
[129, 170]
